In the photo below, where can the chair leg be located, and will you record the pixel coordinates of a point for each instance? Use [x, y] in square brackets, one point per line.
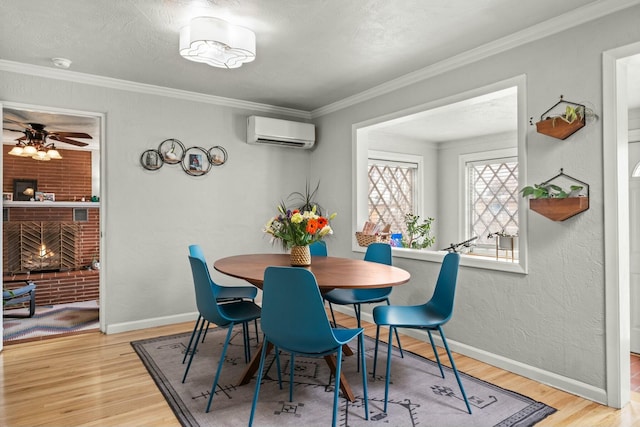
[364, 379]
[206, 329]
[193, 334]
[292, 362]
[453, 366]
[32, 303]
[277, 353]
[386, 380]
[220, 363]
[358, 308]
[397, 336]
[193, 350]
[336, 393]
[375, 353]
[333, 316]
[435, 353]
[259, 380]
[245, 341]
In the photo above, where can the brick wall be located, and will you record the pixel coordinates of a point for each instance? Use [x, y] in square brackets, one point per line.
[70, 180]
[61, 287]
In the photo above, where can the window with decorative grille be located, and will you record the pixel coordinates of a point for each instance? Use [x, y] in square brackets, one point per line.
[492, 202]
[392, 192]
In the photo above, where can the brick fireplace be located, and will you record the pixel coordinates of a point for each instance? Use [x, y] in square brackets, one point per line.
[52, 243]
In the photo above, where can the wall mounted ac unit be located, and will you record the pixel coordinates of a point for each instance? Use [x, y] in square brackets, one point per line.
[284, 133]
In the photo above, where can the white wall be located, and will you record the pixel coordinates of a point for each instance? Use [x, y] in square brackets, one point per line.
[551, 319]
[151, 217]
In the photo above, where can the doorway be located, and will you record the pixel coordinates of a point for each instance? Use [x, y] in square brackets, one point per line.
[62, 205]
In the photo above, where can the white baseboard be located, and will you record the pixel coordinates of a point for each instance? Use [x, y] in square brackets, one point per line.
[540, 375]
[150, 323]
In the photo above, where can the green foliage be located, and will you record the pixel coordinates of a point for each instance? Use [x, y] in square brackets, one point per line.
[418, 234]
[546, 191]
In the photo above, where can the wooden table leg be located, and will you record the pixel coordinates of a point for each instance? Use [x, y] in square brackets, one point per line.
[344, 384]
[254, 364]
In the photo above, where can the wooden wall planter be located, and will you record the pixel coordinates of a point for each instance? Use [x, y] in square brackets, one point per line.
[558, 128]
[559, 209]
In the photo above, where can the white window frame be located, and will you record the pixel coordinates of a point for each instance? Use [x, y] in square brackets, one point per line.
[360, 182]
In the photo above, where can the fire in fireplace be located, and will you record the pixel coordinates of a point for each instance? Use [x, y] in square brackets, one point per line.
[40, 246]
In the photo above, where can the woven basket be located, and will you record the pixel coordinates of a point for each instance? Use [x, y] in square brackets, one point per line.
[367, 239]
[300, 256]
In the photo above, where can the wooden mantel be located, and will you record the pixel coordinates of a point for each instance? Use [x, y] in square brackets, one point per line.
[13, 204]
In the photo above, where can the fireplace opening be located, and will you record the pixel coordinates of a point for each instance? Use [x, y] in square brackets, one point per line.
[43, 246]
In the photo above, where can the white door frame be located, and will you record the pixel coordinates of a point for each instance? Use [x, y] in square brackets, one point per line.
[101, 117]
[615, 130]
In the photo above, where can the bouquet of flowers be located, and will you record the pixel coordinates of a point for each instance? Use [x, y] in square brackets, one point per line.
[298, 228]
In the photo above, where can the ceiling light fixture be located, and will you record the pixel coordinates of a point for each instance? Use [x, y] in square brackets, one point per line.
[217, 43]
[36, 149]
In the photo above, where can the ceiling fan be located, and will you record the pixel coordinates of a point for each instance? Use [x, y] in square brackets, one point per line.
[34, 142]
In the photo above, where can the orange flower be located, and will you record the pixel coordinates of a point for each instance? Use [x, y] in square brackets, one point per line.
[322, 222]
[312, 226]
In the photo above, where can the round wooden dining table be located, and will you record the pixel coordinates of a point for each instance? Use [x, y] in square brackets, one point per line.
[330, 273]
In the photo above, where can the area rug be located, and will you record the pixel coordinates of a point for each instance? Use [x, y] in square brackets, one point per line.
[418, 394]
[52, 320]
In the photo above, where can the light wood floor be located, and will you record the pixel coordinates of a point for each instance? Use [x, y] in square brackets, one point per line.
[98, 380]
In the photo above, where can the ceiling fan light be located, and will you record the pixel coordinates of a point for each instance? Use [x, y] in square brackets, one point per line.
[52, 153]
[29, 150]
[40, 155]
[16, 150]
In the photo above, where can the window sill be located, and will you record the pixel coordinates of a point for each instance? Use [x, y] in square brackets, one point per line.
[472, 261]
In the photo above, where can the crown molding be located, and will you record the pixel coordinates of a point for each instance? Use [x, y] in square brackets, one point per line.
[552, 26]
[108, 82]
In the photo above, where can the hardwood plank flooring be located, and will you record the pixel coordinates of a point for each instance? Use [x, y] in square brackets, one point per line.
[98, 380]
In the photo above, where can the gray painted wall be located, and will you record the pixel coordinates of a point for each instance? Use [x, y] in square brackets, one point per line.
[553, 317]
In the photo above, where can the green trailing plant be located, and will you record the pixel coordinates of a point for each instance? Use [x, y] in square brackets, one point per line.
[548, 191]
[418, 234]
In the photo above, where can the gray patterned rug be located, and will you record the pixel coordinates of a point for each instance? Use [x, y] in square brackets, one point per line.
[418, 394]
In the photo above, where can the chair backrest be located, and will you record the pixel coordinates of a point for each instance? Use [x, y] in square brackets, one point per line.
[445, 291]
[318, 248]
[379, 252]
[197, 252]
[206, 293]
[293, 314]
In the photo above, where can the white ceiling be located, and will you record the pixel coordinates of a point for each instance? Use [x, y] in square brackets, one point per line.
[310, 53]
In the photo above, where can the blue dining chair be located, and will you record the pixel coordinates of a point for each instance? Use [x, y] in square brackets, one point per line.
[318, 248]
[225, 294]
[376, 252]
[225, 315]
[294, 320]
[429, 316]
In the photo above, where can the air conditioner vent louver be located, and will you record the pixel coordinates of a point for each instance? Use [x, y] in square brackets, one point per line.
[282, 133]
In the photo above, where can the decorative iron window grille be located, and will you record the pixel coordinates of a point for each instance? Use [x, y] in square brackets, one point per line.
[392, 188]
[493, 198]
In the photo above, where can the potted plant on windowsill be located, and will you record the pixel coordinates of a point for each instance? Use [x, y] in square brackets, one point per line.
[555, 203]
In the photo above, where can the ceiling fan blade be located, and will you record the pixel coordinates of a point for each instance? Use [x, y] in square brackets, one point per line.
[71, 134]
[56, 137]
[13, 130]
[23, 125]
